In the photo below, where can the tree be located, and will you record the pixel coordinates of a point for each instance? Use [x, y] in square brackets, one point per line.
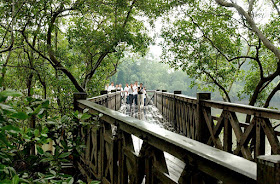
[95, 31]
[214, 40]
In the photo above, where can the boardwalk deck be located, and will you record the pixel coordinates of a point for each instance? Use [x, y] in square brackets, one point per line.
[152, 115]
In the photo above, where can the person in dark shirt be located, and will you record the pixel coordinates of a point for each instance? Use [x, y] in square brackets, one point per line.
[141, 95]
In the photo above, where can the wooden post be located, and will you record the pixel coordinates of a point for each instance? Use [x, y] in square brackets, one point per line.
[175, 120]
[79, 96]
[268, 169]
[75, 131]
[260, 139]
[114, 91]
[162, 104]
[105, 92]
[156, 93]
[202, 132]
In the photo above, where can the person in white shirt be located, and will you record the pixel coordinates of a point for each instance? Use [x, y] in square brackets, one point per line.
[106, 87]
[135, 92]
[126, 96]
[121, 89]
[130, 93]
[111, 87]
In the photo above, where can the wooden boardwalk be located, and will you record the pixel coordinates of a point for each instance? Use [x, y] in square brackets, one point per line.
[149, 114]
[152, 115]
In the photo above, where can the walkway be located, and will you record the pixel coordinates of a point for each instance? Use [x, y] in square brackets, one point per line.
[149, 113]
[152, 115]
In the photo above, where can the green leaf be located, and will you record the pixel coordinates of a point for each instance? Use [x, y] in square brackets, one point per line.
[4, 139]
[15, 179]
[37, 110]
[71, 180]
[44, 135]
[12, 93]
[45, 104]
[53, 172]
[45, 130]
[7, 108]
[63, 155]
[36, 132]
[95, 182]
[40, 150]
[46, 159]
[20, 115]
[11, 128]
[85, 110]
[22, 180]
[85, 116]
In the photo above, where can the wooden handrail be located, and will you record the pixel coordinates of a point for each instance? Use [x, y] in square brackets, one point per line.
[191, 117]
[111, 157]
[223, 165]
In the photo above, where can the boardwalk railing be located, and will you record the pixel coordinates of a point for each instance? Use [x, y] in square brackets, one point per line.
[109, 100]
[110, 155]
[194, 118]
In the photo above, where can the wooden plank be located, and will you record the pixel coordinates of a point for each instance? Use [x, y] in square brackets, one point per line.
[248, 134]
[244, 109]
[227, 135]
[217, 142]
[238, 134]
[271, 136]
[260, 139]
[217, 129]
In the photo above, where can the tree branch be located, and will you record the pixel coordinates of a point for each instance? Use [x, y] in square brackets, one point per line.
[251, 22]
[276, 7]
[56, 64]
[218, 84]
[273, 92]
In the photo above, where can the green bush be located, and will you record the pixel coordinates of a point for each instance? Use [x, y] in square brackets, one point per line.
[17, 163]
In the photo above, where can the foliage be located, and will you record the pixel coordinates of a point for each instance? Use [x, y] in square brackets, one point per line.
[223, 47]
[17, 165]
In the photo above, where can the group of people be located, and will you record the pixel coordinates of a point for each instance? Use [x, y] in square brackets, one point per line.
[132, 93]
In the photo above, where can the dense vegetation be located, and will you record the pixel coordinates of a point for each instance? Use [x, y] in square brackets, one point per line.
[51, 49]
